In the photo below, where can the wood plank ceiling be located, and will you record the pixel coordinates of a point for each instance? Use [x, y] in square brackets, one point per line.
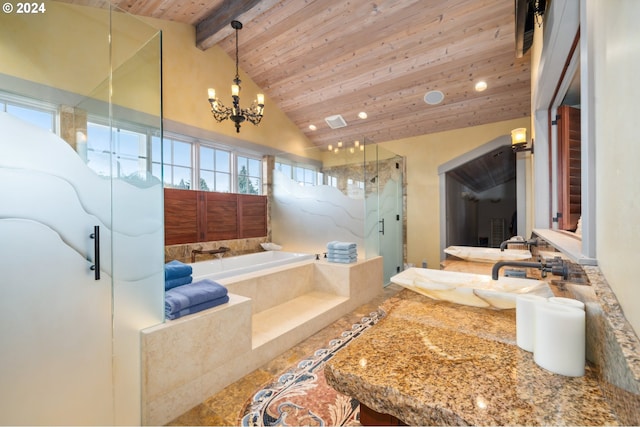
[318, 58]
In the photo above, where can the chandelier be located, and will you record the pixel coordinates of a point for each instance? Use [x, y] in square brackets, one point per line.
[238, 115]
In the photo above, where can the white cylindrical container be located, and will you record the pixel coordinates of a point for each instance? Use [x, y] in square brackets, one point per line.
[525, 320]
[559, 338]
[567, 301]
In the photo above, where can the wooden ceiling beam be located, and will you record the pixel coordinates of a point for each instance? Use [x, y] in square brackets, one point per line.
[216, 26]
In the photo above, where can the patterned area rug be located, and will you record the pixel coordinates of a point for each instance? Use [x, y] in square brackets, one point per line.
[301, 395]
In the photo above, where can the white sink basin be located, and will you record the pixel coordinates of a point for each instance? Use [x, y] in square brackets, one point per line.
[475, 290]
[492, 255]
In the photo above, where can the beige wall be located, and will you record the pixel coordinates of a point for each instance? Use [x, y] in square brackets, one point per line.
[424, 154]
[617, 66]
[67, 48]
[189, 71]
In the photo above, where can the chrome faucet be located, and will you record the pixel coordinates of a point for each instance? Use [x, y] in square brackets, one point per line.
[529, 243]
[556, 266]
[219, 252]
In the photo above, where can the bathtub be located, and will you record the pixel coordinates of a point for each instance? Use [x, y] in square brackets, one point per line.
[242, 264]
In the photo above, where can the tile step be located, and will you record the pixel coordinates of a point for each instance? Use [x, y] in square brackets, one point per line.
[290, 315]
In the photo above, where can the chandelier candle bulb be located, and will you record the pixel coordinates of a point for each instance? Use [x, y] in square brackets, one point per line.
[235, 90]
[212, 94]
[260, 99]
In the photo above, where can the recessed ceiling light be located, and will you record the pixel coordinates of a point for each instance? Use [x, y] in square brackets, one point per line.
[313, 127]
[433, 97]
[481, 85]
[362, 115]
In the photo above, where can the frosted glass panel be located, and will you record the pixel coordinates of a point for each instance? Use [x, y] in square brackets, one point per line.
[51, 303]
[305, 218]
[62, 329]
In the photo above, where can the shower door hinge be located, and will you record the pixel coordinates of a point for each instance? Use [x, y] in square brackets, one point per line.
[397, 217]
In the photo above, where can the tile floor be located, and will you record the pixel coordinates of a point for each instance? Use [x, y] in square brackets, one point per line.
[223, 408]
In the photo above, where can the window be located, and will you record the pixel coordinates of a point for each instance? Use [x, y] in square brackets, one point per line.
[176, 161]
[287, 170]
[332, 181]
[301, 174]
[304, 176]
[249, 175]
[215, 169]
[129, 148]
[131, 151]
[130, 160]
[33, 112]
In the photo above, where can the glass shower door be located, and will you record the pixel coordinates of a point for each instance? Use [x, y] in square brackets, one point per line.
[81, 247]
[384, 212]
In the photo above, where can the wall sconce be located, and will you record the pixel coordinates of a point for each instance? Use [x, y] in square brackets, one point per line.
[519, 140]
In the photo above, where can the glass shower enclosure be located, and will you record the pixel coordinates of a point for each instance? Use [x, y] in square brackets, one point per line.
[81, 218]
[351, 193]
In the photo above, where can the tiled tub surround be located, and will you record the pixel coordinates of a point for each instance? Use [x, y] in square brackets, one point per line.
[186, 360]
[182, 252]
[505, 386]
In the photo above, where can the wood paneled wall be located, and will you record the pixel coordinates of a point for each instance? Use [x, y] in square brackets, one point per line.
[202, 216]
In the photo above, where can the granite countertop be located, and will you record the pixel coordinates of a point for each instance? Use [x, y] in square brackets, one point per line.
[432, 362]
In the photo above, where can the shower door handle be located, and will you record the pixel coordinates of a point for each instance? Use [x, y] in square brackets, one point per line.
[96, 251]
[381, 230]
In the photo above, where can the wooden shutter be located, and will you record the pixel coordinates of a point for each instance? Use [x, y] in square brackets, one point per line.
[201, 216]
[180, 216]
[569, 168]
[221, 216]
[252, 215]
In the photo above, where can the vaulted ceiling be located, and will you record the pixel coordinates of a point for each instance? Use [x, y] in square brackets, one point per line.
[319, 58]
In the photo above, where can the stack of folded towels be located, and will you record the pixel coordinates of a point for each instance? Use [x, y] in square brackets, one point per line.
[177, 274]
[343, 252]
[184, 296]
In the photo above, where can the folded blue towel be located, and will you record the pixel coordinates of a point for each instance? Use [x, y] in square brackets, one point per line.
[180, 281]
[343, 260]
[342, 254]
[195, 293]
[335, 244]
[353, 251]
[199, 307]
[175, 269]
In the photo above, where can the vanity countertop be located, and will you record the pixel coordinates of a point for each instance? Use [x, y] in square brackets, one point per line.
[431, 362]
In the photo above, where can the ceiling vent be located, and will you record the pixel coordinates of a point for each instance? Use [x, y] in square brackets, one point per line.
[335, 122]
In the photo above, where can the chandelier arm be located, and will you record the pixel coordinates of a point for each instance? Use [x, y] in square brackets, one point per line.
[219, 111]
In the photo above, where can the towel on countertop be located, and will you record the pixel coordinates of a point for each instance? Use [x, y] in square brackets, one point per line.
[198, 307]
[190, 295]
[334, 244]
[175, 269]
[180, 281]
